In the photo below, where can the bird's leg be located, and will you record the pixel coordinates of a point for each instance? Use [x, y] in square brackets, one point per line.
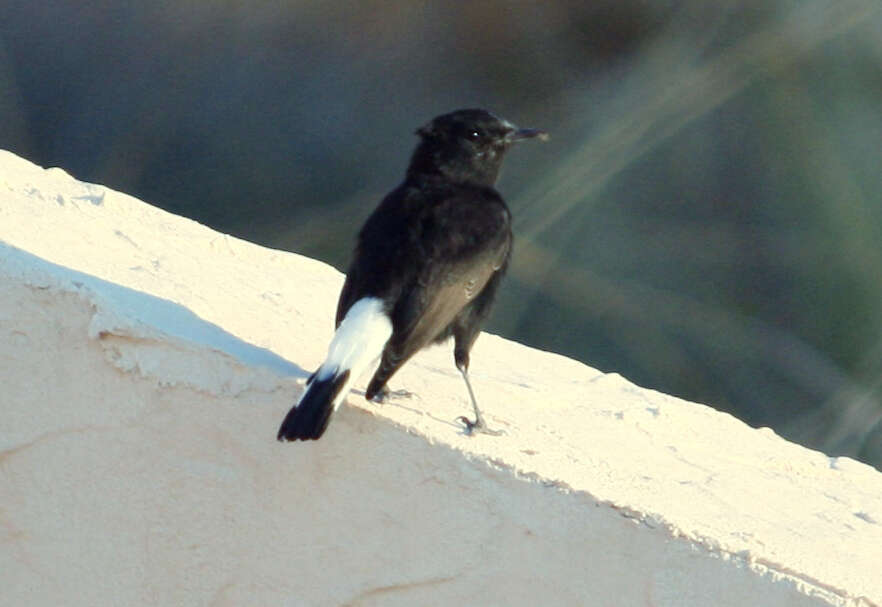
[479, 425]
[385, 394]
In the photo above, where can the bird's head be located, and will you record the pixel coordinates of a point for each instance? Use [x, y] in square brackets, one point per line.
[467, 146]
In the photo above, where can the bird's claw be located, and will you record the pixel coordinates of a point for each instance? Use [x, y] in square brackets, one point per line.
[385, 394]
[477, 427]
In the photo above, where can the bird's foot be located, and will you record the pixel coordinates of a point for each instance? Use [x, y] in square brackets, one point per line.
[385, 394]
[478, 427]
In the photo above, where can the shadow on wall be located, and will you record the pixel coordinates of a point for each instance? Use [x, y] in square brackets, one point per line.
[136, 310]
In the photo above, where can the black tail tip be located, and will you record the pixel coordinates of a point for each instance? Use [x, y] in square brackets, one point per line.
[309, 418]
[289, 432]
[301, 424]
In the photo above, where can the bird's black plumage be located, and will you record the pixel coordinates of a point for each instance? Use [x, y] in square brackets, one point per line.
[432, 255]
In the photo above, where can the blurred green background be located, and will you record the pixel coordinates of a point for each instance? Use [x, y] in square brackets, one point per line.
[706, 221]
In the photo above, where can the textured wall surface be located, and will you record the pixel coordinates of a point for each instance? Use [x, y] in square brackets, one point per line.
[146, 362]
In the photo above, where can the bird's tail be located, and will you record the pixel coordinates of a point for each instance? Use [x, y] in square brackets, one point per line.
[308, 420]
[357, 345]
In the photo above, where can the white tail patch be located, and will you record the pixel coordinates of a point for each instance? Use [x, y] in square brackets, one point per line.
[357, 344]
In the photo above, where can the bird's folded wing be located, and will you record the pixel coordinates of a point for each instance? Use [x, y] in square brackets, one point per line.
[446, 286]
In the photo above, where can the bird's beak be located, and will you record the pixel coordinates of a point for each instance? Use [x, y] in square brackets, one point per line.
[521, 134]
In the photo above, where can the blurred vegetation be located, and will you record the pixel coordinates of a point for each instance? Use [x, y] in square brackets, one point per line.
[706, 221]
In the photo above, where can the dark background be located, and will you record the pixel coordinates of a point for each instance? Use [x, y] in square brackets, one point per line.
[706, 219]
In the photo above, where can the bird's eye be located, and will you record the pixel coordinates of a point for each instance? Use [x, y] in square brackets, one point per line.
[474, 135]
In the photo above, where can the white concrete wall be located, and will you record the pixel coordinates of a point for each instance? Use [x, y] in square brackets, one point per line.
[146, 362]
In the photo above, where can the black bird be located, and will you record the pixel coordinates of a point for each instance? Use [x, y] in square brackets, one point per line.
[427, 266]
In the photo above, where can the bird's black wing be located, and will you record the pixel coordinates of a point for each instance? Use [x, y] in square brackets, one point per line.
[447, 284]
[461, 242]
